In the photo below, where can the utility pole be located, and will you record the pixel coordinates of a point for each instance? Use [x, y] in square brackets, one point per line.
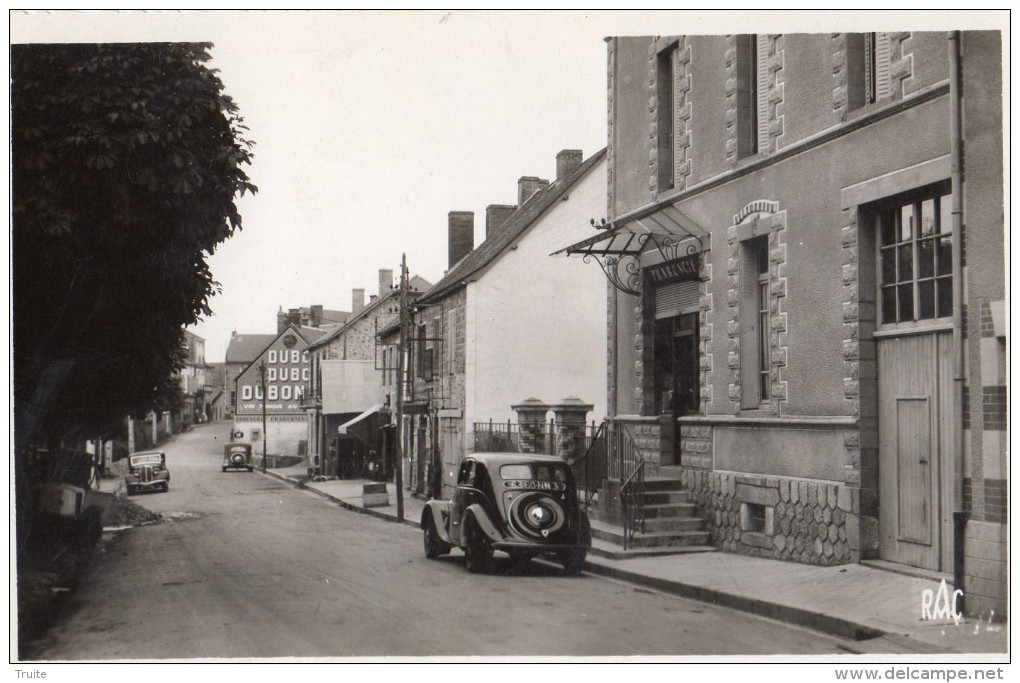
[262, 383]
[399, 446]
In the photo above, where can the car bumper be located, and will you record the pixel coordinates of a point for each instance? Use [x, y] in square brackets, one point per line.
[535, 548]
[143, 486]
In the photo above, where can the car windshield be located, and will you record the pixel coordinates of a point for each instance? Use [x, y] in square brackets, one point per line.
[152, 459]
[536, 471]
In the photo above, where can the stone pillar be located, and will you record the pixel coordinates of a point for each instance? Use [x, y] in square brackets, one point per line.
[571, 415]
[531, 420]
[131, 434]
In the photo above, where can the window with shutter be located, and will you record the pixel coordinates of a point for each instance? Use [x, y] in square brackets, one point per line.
[665, 87]
[752, 94]
[755, 349]
[867, 68]
[761, 93]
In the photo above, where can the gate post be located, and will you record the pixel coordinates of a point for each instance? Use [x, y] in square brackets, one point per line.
[531, 418]
[571, 415]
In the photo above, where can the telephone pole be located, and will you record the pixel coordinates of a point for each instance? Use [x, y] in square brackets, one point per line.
[262, 383]
[399, 446]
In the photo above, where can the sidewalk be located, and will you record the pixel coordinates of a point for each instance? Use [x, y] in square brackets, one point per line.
[878, 610]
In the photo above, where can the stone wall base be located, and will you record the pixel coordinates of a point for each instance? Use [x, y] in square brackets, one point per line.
[799, 520]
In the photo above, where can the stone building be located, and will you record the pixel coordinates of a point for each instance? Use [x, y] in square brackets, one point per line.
[805, 237]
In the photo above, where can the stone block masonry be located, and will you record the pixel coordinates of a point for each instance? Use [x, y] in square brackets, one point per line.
[812, 522]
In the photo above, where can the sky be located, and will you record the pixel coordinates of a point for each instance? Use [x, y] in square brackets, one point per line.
[371, 126]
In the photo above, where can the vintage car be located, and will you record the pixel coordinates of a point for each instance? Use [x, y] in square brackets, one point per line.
[237, 456]
[147, 471]
[521, 504]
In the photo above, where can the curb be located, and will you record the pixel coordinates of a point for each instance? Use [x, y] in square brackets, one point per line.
[796, 616]
[816, 621]
[340, 501]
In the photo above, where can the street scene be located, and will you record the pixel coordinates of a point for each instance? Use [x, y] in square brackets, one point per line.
[228, 572]
[488, 336]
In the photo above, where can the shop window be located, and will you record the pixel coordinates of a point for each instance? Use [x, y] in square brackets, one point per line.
[916, 259]
[755, 329]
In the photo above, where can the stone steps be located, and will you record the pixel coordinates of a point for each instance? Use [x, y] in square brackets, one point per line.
[615, 551]
[671, 519]
[648, 539]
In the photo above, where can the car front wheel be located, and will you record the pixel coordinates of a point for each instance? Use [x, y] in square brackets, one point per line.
[573, 561]
[434, 546]
[478, 552]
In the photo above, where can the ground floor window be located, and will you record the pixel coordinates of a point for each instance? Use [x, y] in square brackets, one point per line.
[916, 258]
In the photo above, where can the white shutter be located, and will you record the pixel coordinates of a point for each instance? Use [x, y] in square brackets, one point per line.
[882, 59]
[762, 92]
[676, 298]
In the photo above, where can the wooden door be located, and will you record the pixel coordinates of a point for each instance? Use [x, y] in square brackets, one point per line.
[915, 441]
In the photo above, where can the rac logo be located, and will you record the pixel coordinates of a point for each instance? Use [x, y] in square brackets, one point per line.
[937, 604]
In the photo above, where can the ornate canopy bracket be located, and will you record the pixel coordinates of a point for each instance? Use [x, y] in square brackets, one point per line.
[618, 247]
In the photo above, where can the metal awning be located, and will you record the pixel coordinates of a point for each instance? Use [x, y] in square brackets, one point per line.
[343, 429]
[616, 248]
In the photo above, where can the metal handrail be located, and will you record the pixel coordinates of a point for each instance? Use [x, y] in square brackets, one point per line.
[590, 469]
[632, 490]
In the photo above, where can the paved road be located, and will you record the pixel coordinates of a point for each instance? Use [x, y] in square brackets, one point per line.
[246, 567]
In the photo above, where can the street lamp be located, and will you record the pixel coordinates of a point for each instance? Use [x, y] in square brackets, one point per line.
[262, 385]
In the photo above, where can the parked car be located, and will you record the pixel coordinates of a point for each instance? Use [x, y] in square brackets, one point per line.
[237, 456]
[524, 505]
[147, 471]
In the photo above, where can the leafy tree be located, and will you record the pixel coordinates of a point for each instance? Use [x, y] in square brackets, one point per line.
[127, 159]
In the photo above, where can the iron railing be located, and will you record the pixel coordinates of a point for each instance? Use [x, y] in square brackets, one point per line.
[495, 437]
[628, 466]
[591, 468]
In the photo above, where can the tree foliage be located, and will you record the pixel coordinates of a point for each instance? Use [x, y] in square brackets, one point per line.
[127, 159]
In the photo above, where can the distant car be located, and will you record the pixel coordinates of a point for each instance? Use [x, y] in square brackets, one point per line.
[147, 471]
[237, 456]
[524, 505]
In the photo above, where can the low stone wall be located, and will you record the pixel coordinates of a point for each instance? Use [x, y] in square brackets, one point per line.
[804, 521]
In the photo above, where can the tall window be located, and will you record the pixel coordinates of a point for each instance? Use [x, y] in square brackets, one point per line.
[665, 88]
[761, 257]
[867, 63]
[752, 93]
[755, 347]
[916, 259]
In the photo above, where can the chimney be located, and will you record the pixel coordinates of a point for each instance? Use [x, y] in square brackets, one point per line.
[527, 186]
[357, 300]
[568, 161]
[385, 281]
[496, 216]
[316, 314]
[461, 235]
